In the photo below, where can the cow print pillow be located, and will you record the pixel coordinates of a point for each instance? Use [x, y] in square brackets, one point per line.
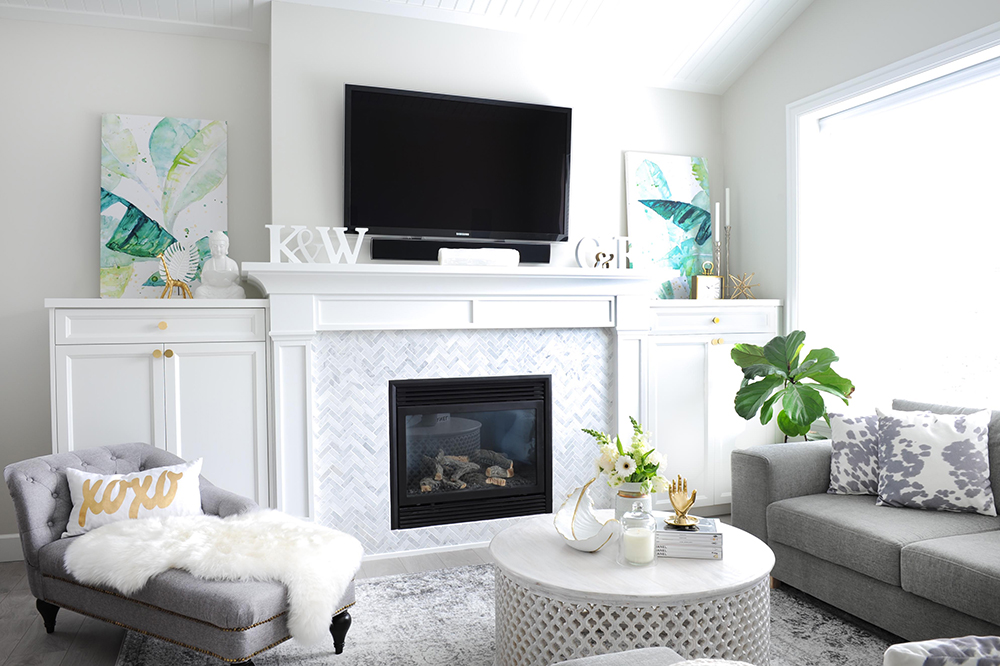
[854, 464]
[935, 461]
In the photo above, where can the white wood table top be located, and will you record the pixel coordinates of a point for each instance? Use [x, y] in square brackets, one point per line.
[533, 554]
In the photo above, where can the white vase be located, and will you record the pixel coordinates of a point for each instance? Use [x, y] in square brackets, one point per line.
[628, 494]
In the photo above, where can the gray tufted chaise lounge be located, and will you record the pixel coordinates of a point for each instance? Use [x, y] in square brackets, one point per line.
[232, 621]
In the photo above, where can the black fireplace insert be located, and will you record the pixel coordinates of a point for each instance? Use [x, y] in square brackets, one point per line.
[471, 448]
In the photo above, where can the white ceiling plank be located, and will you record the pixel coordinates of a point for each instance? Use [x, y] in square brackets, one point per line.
[525, 9]
[480, 7]
[448, 4]
[76, 6]
[750, 52]
[131, 8]
[541, 10]
[243, 14]
[741, 19]
[222, 12]
[37, 4]
[463, 5]
[557, 13]
[204, 11]
[148, 9]
[95, 6]
[186, 11]
[168, 10]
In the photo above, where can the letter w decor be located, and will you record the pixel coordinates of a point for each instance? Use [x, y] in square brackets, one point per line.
[140, 488]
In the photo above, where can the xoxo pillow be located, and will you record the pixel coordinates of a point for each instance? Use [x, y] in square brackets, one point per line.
[99, 499]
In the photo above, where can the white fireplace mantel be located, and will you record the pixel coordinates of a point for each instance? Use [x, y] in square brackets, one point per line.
[309, 298]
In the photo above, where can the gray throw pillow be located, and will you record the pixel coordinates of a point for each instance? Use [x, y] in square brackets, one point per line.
[933, 461]
[854, 463]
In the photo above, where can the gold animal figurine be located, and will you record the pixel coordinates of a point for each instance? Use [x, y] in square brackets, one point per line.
[171, 282]
[681, 502]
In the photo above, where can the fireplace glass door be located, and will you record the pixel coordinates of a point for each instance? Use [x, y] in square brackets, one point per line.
[469, 449]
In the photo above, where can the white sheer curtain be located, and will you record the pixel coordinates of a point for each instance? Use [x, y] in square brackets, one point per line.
[899, 243]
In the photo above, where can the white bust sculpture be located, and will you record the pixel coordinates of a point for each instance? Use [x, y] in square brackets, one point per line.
[220, 276]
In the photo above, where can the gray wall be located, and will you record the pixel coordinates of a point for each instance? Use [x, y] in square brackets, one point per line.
[833, 41]
[56, 81]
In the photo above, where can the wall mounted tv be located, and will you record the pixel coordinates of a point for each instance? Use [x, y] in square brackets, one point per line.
[423, 165]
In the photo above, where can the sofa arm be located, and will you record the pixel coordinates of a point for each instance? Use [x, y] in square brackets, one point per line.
[766, 474]
[218, 502]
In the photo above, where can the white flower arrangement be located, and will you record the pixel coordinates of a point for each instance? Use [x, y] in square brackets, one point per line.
[639, 463]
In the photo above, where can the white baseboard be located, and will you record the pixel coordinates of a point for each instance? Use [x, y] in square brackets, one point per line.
[423, 551]
[10, 548]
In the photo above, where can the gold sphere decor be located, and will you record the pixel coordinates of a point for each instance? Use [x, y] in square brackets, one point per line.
[742, 287]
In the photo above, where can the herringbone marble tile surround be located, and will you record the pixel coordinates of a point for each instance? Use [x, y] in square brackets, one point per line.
[351, 371]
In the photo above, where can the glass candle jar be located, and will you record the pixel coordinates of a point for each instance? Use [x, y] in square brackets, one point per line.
[637, 546]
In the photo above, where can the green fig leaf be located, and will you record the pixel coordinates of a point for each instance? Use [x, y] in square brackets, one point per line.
[750, 397]
[803, 404]
[745, 355]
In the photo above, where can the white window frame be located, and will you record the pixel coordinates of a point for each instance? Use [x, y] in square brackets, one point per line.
[801, 122]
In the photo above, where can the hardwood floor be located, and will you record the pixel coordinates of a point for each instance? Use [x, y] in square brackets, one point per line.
[83, 641]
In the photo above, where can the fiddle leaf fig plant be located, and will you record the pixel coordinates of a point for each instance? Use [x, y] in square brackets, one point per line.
[774, 373]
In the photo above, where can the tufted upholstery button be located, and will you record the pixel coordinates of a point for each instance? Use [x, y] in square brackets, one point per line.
[31, 479]
[55, 495]
[50, 523]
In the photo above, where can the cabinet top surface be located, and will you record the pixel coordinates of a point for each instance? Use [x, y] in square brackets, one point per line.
[532, 552]
[155, 303]
[716, 303]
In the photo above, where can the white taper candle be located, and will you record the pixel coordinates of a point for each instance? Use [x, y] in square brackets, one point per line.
[727, 206]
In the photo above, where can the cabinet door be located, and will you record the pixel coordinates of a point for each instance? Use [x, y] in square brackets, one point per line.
[216, 410]
[108, 394]
[678, 413]
[727, 430]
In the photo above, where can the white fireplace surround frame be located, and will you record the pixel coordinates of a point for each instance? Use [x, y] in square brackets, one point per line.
[310, 298]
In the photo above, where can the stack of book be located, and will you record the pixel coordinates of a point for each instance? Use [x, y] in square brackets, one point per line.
[702, 541]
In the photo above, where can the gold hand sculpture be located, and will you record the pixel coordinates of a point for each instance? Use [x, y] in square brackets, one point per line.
[681, 502]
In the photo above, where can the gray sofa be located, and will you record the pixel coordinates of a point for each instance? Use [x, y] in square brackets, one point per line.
[232, 621]
[917, 574]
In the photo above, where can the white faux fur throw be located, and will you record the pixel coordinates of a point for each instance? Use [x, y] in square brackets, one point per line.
[315, 563]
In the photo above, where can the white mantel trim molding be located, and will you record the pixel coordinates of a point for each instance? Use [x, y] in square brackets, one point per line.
[309, 298]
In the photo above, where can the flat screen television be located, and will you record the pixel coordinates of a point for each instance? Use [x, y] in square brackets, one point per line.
[424, 165]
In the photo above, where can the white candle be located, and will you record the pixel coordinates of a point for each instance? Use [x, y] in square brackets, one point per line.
[727, 206]
[640, 545]
[715, 222]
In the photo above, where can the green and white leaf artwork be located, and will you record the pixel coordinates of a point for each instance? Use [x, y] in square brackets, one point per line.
[669, 220]
[163, 185]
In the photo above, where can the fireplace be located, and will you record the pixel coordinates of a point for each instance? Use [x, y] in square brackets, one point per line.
[467, 449]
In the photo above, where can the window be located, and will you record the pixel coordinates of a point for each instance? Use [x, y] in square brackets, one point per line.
[898, 264]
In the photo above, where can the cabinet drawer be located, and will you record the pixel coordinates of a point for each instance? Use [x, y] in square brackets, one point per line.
[92, 326]
[744, 320]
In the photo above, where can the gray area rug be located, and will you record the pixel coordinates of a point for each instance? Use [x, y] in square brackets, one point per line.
[445, 618]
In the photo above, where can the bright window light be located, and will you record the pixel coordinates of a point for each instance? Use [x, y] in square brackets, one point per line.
[899, 242]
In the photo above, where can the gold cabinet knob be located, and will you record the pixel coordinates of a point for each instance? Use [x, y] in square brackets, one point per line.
[162, 326]
[169, 353]
[715, 320]
[157, 353]
[721, 341]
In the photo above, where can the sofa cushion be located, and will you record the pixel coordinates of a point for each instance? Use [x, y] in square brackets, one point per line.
[851, 531]
[961, 572]
[220, 603]
[854, 461]
[933, 461]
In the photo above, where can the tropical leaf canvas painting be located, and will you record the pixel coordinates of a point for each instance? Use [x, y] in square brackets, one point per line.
[163, 191]
[669, 219]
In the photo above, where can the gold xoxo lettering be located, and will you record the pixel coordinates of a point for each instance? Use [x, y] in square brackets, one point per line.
[109, 504]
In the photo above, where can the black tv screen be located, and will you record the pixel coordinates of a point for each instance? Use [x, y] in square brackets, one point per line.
[423, 165]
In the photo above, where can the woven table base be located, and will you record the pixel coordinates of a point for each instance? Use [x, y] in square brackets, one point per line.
[535, 630]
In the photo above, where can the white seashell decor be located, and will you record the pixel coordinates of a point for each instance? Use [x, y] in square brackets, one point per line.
[577, 523]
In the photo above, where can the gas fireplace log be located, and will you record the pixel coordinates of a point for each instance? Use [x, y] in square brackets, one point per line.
[456, 470]
[452, 485]
[432, 468]
[488, 458]
[498, 472]
[464, 459]
[476, 478]
[428, 484]
[496, 482]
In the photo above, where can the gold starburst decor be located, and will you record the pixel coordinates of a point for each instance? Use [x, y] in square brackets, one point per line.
[742, 287]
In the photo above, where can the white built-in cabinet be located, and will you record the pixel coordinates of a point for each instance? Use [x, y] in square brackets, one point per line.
[189, 377]
[690, 384]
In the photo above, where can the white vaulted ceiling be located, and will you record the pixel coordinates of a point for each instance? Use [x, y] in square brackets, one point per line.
[700, 45]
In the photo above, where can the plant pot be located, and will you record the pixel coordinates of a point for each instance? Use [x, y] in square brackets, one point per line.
[628, 493]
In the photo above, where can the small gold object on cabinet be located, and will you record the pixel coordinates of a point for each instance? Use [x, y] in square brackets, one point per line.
[708, 285]
[162, 326]
[171, 283]
[742, 286]
[169, 353]
[682, 503]
[157, 353]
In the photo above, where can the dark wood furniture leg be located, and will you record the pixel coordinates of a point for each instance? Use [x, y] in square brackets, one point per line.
[338, 628]
[48, 612]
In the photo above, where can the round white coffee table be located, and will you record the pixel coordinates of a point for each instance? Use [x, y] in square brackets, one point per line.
[555, 603]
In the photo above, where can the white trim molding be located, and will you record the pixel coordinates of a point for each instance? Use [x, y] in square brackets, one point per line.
[956, 54]
[10, 548]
